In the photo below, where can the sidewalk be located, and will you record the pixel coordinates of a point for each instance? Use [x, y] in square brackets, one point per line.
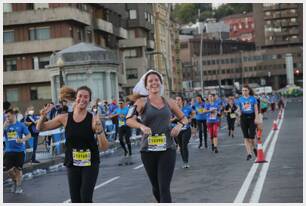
[47, 160]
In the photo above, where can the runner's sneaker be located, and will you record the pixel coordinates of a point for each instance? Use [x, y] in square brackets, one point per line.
[13, 187]
[19, 190]
[249, 157]
[216, 150]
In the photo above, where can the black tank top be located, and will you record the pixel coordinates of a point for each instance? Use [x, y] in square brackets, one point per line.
[80, 136]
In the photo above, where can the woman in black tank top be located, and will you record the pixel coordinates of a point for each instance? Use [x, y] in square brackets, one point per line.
[158, 152]
[82, 132]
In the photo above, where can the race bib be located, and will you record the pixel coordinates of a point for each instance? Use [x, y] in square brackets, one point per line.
[81, 158]
[247, 107]
[213, 116]
[232, 115]
[157, 143]
[201, 110]
[121, 123]
[12, 135]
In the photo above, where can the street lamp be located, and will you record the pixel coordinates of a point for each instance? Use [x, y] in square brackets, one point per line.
[60, 64]
[201, 55]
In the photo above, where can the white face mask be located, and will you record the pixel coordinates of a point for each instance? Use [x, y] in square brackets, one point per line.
[31, 112]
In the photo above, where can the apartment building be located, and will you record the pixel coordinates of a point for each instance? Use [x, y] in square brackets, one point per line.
[32, 32]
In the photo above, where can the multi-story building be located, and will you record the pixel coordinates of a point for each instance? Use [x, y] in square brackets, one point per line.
[264, 67]
[176, 65]
[140, 27]
[278, 24]
[33, 31]
[162, 53]
[190, 51]
[241, 27]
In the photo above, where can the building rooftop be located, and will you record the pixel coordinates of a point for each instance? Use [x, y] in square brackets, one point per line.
[84, 53]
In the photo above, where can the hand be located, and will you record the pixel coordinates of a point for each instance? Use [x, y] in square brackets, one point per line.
[176, 130]
[43, 112]
[98, 124]
[145, 130]
[20, 141]
[6, 123]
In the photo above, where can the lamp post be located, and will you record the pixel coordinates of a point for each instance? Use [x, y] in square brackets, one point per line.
[201, 55]
[60, 64]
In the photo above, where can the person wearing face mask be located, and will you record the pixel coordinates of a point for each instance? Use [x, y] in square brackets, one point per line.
[158, 150]
[31, 121]
[84, 133]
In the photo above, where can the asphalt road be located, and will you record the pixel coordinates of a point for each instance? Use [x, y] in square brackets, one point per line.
[225, 177]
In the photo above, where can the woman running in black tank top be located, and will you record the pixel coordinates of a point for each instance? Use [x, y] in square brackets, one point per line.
[82, 153]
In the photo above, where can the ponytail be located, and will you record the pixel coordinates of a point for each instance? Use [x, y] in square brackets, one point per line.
[67, 93]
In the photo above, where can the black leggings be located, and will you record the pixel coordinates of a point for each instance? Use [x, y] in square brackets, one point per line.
[82, 181]
[160, 167]
[202, 126]
[231, 123]
[125, 132]
[183, 140]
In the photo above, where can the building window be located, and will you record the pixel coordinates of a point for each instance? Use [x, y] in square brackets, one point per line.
[41, 6]
[7, 7]
[41, 33]
[133, 14]
[40, 92]
[43, 61]
[10, 64]
[8, 36]
[293, 20]
[12, 95]
[131, 73]
[130, 53]
[152, 19]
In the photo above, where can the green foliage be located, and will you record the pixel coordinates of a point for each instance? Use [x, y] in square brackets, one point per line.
[185, 13]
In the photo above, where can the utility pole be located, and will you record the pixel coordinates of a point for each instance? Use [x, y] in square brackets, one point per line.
[201, 54]
[221, 53]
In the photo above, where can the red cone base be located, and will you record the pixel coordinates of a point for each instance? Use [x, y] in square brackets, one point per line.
[260, 154]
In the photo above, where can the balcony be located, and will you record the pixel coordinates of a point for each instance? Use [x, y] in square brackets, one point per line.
[52, 15]
[137, 42]
[37, 46]
[26, 77]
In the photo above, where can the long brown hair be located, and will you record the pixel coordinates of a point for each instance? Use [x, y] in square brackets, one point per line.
[68, 93]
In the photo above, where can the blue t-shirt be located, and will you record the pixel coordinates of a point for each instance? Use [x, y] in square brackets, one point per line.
[187, 110]
[121, 115]
[212, 117]
[11, 133]
[247, 105]
[199, 109]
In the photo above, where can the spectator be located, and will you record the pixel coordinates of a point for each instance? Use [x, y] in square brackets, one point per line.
[31, 121]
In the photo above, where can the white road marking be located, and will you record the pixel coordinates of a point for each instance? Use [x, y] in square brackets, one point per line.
[247, 182]
[263, 173]
[100, 185]
[140, 166]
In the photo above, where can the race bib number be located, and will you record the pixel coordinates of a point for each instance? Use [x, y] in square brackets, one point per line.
[81, 158]
[201, 110]
[232, 115]
[247, 107]
[12, 135]
[121, 123]
[157, 143]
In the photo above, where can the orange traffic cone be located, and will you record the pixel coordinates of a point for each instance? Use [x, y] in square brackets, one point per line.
[274, 127]
[260, 153]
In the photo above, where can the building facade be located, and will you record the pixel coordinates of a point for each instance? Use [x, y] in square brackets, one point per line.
[278, 24]
[32, 32]
[140, 27]
[242, 27]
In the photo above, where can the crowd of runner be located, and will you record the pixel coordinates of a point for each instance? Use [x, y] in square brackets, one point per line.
[166, 126]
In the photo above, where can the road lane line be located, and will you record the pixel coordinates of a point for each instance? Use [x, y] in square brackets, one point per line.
[247, 182]
[263, 173]
[140, 166]
[100, 185]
